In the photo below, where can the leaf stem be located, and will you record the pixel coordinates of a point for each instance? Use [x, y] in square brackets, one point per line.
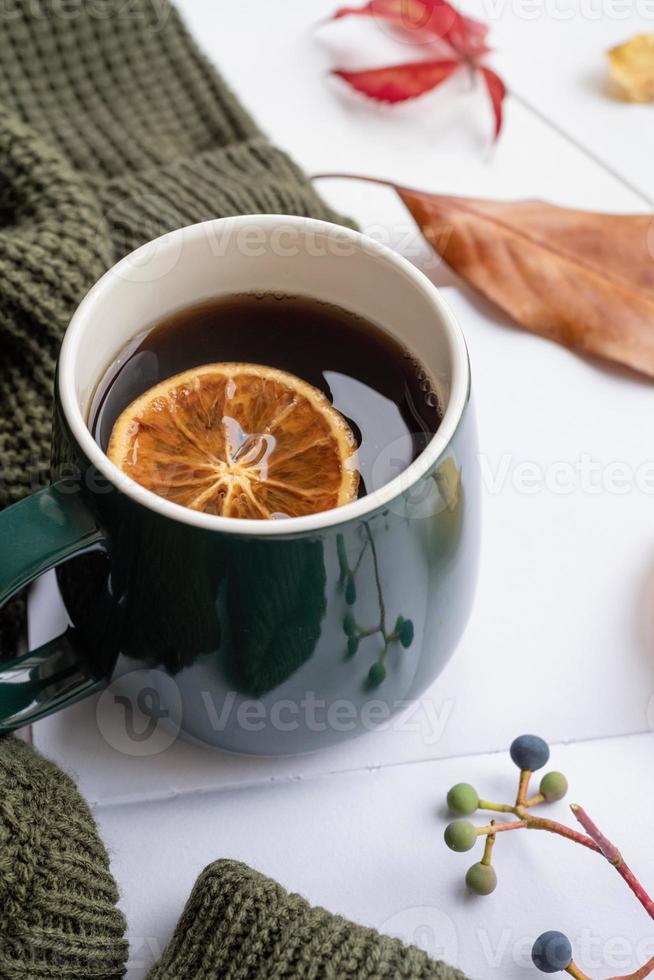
[368, 180]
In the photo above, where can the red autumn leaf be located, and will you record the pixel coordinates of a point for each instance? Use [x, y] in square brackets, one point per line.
[430, 19]
[422, 17]
[583, 279]
[398, 83]
[468, 37]
[435, 22]
[476, 33]
[496, 90]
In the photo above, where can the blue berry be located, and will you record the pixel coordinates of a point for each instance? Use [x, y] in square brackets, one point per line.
[350, 590]
[404, 631]
[481, 879]
[529, 752]
[376, 675]
[460, 835]
[552, 952]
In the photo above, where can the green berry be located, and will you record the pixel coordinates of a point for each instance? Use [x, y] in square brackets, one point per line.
[553, 786]
[460, 835]
[352, 645]
[349, 624]
[376, 675]
[350, 591]
[481, 879]
[462, 800]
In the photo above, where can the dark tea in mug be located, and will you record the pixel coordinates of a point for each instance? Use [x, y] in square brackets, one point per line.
[285, 389]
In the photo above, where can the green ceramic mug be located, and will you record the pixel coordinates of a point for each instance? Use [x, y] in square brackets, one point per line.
[259, 624]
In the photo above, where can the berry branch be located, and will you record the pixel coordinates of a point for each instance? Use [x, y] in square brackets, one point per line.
[552, 951]
[401, 633]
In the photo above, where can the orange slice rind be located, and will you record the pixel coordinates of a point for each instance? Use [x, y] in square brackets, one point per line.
[238, 440]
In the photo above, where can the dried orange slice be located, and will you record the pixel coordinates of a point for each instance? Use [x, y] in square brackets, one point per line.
[239, 440]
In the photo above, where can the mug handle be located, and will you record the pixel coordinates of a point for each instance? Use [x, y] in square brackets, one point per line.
[37, 534]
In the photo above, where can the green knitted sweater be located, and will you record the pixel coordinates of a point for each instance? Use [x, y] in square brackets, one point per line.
[59, 917]
[113, 129]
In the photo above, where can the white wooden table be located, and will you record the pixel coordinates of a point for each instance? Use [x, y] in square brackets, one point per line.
[561, 641]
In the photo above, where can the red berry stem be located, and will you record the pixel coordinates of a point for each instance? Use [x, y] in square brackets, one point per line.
[613, 856]
[554, 827]
[523, 787]
[644, 971]
[496, 807]
[500, 828]
[488, 847]
[609, 850]
[640, 974]
[540, 823]
[575, 972]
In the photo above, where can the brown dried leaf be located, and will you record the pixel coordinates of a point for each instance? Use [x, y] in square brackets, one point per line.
[632, 66]
[583, 279]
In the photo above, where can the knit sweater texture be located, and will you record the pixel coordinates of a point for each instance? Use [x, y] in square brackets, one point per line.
[59, 918]
[114, 129]
[239, 924]
[58, 913]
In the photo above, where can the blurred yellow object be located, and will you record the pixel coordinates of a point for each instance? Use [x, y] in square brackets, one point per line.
[632, 67]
